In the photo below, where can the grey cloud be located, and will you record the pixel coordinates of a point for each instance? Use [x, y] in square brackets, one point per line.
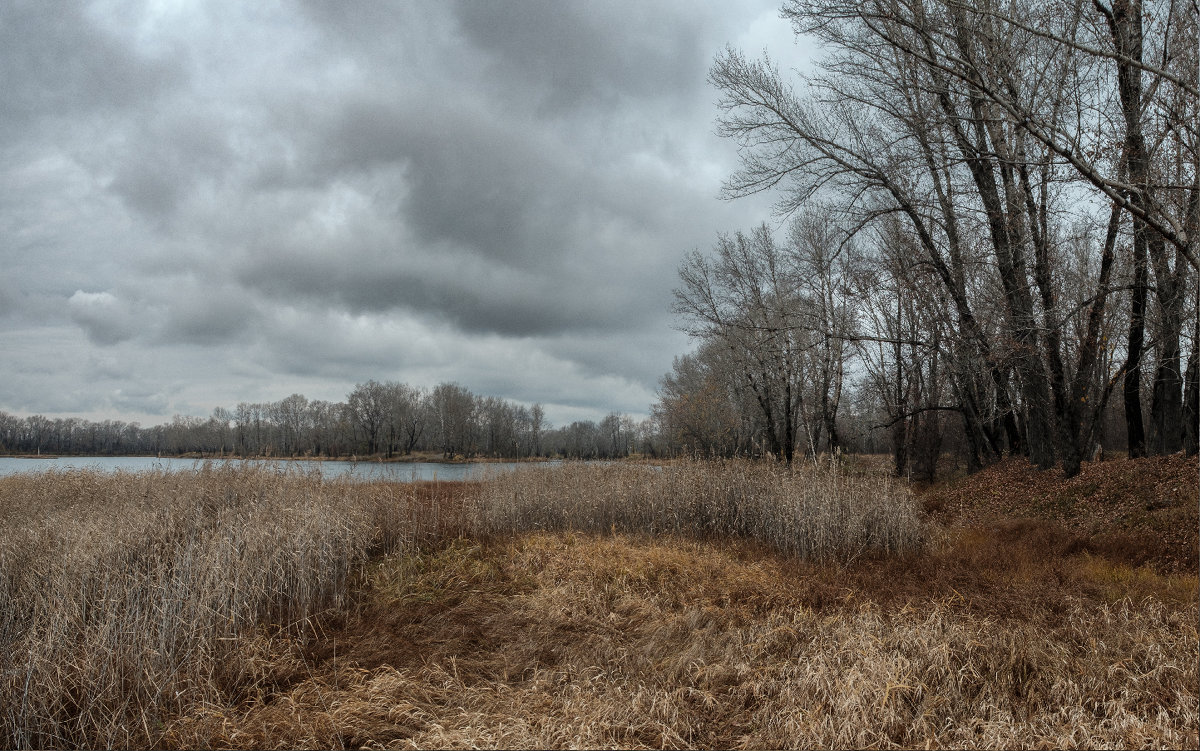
[478, 217]
[147, 401]
[370, 29]
[56, 62]
[460, 289]
[307, 195]
[467, 178]
[173, 311]
[107, 365]
[643, 355]
[587, 55]
[501, 225]
[106, 319]
[307, 343]
[480, 194]
[165, 158]
[9, 304]
[612, 290]
[207, 316]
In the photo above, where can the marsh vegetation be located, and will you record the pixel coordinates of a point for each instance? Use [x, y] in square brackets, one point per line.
[698, 604]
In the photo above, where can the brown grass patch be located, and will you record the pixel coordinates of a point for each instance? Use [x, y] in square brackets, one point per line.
[1135, 510]
[810, 512]
[561, 640]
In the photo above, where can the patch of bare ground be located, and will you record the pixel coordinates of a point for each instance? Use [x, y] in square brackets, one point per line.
[557, 640]
[1136, 511]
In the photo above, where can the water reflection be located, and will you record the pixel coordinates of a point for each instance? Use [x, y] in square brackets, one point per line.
[363, 471]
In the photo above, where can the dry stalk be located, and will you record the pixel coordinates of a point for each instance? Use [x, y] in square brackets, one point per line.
[126, 599]
[818, 513]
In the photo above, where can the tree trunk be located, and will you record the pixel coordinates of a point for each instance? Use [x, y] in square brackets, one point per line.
[1134, 425]
[1166, 404]
[788, 444]
[980, 143]
[1191, 402]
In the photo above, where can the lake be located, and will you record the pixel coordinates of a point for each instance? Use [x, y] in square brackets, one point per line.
[364, 471]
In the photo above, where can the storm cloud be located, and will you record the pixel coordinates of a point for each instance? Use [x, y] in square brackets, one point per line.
[210, 202]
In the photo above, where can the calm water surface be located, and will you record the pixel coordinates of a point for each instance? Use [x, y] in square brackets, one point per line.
[394, 471]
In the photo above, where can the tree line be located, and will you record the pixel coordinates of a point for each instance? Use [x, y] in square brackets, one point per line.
[991, 213]
[378, 419]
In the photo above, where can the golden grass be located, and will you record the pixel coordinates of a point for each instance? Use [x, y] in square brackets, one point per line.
[556, 640]
[715, 605]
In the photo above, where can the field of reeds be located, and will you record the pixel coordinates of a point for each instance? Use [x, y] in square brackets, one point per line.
[820, 513]
[127, 599]
[694, 605]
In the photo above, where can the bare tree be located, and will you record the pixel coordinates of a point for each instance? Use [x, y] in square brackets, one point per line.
[983, 124]
[824, 257]
[746, 298]
[697, 409]
[367, 406]
[455, 418]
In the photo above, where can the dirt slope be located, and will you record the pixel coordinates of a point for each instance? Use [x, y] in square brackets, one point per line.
[1135, 510]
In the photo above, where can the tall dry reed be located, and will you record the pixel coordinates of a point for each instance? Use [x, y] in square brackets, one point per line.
[814, 512]
[125, 598]
[129, 599]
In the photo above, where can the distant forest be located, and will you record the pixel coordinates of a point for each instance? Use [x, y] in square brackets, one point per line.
[384, 420]
[393, 420]
[377, 420]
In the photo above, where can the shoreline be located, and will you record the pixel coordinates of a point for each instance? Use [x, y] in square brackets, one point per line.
[408, 459]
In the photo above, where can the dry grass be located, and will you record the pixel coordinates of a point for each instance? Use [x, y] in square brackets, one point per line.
[722, 605]
[556, 640]
[818, 513]
[1138, 510]
[126, 599]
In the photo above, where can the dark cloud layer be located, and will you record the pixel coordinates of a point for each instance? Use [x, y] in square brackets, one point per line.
[59, 64]
[592, 57]
[203, 203]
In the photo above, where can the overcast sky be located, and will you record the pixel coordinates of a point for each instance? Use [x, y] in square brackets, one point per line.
[209, 202]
